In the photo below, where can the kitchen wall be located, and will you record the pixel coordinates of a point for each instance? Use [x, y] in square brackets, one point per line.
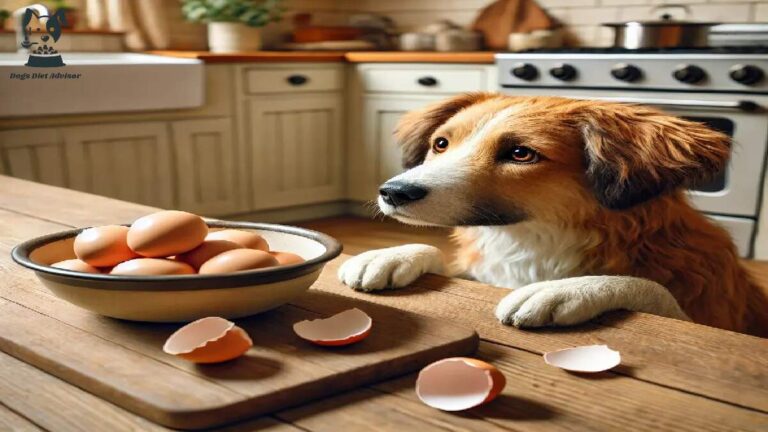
[582, 17]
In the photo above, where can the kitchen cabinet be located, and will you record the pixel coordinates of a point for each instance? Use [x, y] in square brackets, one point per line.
[206, 175]
[377, 158]
[293, 144]
[33, 154]
[129, 161]
[387, 91]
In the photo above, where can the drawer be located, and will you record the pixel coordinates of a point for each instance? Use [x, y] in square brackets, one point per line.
[264, 80]
[424, 80]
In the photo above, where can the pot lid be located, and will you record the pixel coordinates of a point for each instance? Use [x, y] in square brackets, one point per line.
[660, 23]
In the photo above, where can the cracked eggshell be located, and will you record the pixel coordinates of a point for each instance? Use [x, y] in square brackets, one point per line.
[208, 340]
[589, 358]
[459, 383]
[344, 328]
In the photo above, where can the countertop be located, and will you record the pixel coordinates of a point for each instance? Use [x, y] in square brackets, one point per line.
[481, 57]
[674, 375]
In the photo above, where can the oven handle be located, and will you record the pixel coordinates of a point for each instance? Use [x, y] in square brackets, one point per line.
[741, 105]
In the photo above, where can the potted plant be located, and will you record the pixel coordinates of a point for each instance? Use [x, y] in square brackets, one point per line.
[70, 13]
[233, 25]
[4, 14]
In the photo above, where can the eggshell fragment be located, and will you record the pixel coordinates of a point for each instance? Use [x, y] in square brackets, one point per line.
[459, 383]
[286, 258]
[589, 358]
[152, 267]
[208, 340]
[207, 250]
[76, 265]
[103, 246]
[238, 260]
[247, 239]
[344, 328]
[166, 233]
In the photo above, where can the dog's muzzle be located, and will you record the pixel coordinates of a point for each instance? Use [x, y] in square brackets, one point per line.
[397, 193]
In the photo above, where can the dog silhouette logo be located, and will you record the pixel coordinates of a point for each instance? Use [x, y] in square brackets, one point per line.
[47, 29]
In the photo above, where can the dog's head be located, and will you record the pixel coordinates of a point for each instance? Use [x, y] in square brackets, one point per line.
[32, 22]
[484, 159]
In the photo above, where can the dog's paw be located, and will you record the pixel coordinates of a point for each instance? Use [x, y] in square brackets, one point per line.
[393, 267]
[546, 304]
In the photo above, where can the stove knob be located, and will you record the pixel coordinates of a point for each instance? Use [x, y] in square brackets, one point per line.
[689, 74]
[563, 72]
[626, 72]
[746, 74]
[525, 71]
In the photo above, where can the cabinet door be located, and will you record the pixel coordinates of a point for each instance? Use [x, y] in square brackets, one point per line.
[205, 176]
[294, 146]
[33, 154]
[128, 161]
[378, 158]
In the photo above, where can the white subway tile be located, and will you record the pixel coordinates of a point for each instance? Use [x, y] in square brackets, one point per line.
[731, 12]
[587, 16]
[761, 12]
[567, 3]
[625, 2]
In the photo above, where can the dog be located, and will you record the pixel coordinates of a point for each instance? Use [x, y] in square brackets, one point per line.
[578, 206]
[43, 55]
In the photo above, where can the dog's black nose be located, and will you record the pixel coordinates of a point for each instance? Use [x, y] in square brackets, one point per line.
[397, 193]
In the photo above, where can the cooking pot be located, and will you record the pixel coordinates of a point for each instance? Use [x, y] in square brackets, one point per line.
[664, 33]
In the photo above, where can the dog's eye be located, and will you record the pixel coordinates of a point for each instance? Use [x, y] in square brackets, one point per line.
[440, 145]
[521, 154]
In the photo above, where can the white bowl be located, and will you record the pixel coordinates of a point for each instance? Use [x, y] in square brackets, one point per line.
[183, 297]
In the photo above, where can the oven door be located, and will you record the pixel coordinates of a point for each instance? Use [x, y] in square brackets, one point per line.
[736, 192]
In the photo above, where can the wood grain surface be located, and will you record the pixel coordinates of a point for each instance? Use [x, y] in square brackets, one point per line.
[125, 365]
[674, 375]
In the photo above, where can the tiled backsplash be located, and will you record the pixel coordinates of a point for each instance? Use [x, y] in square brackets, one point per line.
[581, 17]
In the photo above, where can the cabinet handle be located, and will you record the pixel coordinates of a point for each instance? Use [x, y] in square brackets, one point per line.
[297, 80]
[427, 81]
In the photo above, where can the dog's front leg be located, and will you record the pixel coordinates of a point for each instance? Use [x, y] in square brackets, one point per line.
[393, 267]
[579, 299]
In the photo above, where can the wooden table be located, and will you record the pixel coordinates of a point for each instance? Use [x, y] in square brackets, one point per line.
[674, 376]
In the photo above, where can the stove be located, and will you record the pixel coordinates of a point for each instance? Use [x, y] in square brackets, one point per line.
[724, 87]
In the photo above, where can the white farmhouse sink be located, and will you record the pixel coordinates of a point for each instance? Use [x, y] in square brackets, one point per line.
[98, 83]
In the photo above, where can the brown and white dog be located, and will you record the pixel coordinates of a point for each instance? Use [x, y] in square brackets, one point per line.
[548, 195]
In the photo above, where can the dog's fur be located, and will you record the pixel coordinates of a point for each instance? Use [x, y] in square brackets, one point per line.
[606, 197]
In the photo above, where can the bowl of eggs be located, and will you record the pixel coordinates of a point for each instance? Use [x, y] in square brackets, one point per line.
[174, 266]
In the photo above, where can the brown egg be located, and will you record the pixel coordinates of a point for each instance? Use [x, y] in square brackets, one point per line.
[286, 258]
[152, 267]
[238, 260]
[207, 250]
[247, 239]
[166, 233]
[76, 265]
[103, 246]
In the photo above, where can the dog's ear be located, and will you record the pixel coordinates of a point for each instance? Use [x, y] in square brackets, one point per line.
[414, 128]
[54, 23]
[27, 18]
[634, 153]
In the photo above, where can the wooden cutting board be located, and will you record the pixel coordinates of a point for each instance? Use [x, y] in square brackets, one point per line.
[123, 362]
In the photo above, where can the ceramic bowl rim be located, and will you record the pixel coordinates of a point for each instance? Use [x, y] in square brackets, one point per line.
[21, 255]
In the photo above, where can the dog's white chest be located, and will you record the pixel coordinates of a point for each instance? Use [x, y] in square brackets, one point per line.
[517, 255]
